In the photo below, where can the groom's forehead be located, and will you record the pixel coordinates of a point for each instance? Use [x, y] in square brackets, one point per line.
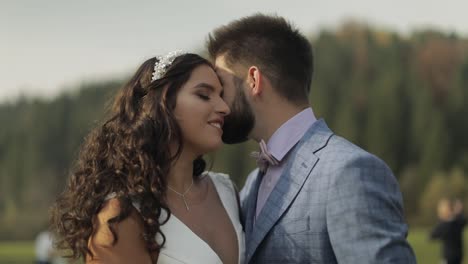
[221, 67]
[220, 63]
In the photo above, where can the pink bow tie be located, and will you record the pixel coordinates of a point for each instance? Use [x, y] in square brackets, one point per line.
[264, 157]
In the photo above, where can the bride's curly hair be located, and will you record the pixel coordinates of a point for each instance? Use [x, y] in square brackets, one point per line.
[128, 155]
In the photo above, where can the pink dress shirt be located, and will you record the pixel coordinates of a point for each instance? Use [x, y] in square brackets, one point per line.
[279, 145]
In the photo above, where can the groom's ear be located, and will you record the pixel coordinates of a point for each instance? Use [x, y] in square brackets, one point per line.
[254, 80]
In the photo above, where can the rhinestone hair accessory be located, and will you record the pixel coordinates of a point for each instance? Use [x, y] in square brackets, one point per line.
[163, 63]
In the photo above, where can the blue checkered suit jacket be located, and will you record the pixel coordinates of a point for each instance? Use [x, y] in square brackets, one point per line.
[334, 203]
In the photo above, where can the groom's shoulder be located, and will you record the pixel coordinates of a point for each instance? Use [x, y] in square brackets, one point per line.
[346, 147]
[349, 157]
[329, 144]
[321, 141]
[340, 151]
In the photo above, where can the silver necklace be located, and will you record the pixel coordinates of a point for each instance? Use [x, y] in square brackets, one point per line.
[182, 194]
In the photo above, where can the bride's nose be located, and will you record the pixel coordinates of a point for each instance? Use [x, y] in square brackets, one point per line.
[222, 107]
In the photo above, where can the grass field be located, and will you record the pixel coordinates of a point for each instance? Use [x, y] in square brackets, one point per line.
[427, 252]
[16, 252]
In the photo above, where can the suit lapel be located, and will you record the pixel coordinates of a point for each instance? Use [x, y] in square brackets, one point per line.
[252, 205]
[298, 169]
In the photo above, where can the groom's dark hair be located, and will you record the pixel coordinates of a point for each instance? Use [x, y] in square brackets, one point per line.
[272, 44]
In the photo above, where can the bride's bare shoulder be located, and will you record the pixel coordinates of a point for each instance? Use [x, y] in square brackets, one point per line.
[129, 245]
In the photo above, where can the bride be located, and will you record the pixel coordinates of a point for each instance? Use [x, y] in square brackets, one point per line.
[138, 192]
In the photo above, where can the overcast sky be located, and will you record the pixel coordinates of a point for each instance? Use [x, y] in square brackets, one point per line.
[47, 46]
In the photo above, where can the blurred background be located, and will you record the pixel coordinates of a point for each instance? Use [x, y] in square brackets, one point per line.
[390, 76]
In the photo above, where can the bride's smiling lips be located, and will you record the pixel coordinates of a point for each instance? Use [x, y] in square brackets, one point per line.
[217, 122]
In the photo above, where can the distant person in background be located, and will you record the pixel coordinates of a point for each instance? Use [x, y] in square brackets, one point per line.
[44, 248]
[450, 230]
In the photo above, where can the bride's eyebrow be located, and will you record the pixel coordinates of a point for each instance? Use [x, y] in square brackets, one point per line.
[208, 86]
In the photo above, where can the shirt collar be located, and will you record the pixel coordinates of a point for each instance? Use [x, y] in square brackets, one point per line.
[289, 133]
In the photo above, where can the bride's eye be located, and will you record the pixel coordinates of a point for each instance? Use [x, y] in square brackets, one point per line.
[204, 97]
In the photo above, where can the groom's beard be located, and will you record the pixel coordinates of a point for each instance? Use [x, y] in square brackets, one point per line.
[240, 122]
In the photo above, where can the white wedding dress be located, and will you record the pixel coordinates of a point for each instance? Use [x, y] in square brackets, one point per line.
[184, 246]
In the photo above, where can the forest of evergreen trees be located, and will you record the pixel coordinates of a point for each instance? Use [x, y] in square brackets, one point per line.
[403, 98]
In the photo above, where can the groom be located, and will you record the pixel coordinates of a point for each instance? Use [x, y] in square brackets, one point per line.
[316, 197]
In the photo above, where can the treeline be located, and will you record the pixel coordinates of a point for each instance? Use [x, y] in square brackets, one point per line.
[404, 98]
